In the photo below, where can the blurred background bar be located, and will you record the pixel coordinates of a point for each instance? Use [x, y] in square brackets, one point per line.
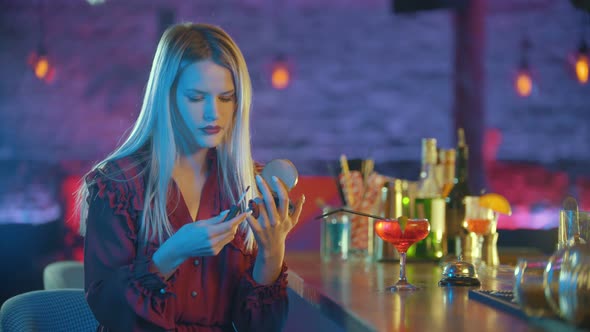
[365, 78]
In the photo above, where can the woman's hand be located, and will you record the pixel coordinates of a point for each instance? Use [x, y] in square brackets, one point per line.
[274, 222]
[200, 238]
[207, 237]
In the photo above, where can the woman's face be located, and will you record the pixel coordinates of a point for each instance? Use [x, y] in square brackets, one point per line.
[206, 100]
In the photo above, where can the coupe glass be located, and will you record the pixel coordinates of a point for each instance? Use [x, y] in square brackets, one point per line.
[391, 231]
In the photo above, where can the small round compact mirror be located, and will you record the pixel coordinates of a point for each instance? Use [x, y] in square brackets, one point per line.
[283, 169]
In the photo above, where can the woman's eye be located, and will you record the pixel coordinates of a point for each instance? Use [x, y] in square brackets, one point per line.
[196, 98]
[226, 99]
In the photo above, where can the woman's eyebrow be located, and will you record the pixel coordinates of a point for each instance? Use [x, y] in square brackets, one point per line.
[206, 93]
[229, 92]
[196, 91]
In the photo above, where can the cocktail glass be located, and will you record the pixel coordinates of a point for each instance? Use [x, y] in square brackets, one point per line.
[402, 233]
[479, 220]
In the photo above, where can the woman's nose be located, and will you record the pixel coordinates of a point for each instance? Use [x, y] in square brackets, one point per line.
[211, 110]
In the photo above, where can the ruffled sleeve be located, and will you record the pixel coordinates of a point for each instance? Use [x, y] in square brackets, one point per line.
[120, 289]
[261, 307]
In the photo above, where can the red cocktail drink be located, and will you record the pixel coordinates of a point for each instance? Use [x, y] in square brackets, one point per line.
[391, 232]
[402, 233]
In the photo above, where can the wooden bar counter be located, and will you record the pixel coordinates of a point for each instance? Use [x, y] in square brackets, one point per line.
[352, 294]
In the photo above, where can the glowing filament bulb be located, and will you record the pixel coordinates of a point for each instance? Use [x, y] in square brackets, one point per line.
[280, 77]
[582, 64]
[41, 67]
[524, 84]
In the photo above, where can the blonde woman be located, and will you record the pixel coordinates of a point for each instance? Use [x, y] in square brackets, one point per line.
[158, 254]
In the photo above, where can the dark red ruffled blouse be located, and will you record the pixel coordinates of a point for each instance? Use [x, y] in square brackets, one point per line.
[214, 293]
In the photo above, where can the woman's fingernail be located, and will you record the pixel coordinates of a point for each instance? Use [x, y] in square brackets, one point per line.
[258, 178]
[275, 179]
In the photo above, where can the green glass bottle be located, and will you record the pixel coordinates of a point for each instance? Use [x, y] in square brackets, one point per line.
[455, 208]
[429, 204]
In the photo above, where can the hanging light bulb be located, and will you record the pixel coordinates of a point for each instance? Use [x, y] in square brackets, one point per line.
[41, 65]
[281, 69]
[582, 63]
[523, 82]
[280, 72]
[39, 60]
[579, 61]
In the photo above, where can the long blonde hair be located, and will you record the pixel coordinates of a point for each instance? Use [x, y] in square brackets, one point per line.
[154, 129]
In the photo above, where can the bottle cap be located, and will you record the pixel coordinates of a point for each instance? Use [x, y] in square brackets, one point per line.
[429, 153]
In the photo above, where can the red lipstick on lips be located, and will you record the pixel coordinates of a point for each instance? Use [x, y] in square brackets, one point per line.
[211, 130]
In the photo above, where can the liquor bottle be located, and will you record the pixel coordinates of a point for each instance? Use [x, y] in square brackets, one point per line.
[439, 168]
[448, 178]
[455, 208]
[429, 204]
